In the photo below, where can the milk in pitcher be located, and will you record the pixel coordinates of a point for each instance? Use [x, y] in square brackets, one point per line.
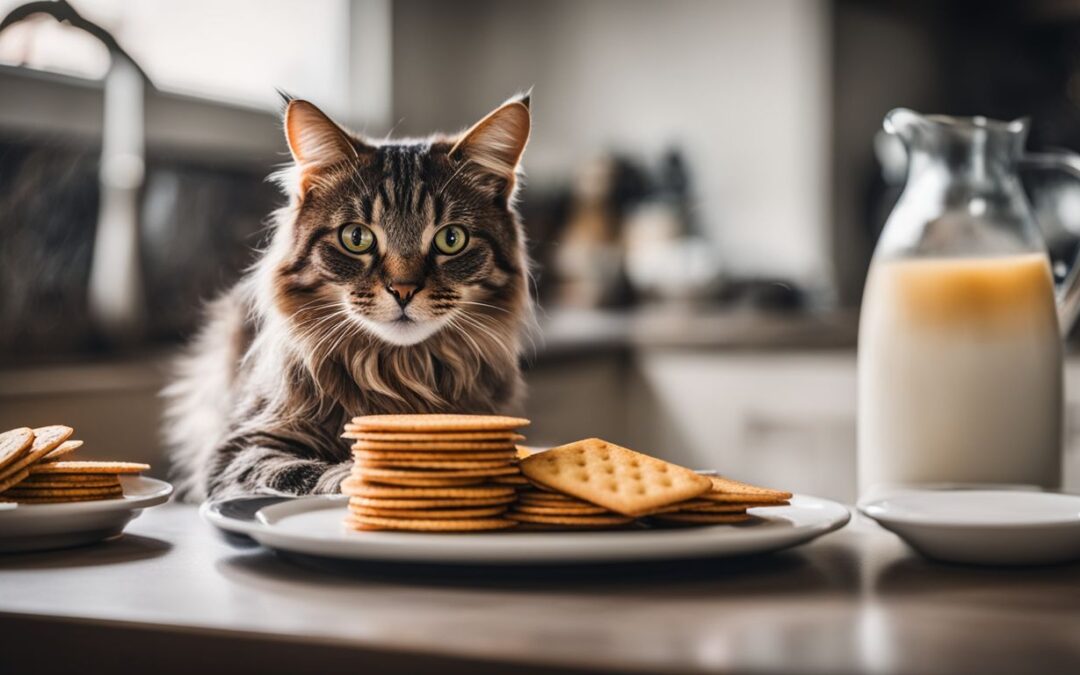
[960, 376]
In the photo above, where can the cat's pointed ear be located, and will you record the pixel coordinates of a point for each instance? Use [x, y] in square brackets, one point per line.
[315, 141]
[495, 144]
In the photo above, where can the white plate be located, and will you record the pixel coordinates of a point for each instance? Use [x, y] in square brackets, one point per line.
[33, 527]
[989, 527]
[314, 526]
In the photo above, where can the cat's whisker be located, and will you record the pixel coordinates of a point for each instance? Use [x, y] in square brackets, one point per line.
[317, 336]
[324, 303]
[452, 323]
[325, 335]
[497, 340]
[531, 330]
[484, 304]
[338, 310]
[320, 317]
[347, 331]
[317, 321]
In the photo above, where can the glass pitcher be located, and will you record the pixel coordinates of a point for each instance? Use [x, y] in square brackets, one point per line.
[960, 354]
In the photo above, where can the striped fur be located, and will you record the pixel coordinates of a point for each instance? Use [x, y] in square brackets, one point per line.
[314, 335]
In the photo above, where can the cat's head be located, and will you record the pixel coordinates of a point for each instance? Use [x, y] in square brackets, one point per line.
[402, 239]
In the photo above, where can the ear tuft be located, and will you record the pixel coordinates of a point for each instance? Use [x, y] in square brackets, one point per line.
[495, 144]
[286, 98]
[314, 140]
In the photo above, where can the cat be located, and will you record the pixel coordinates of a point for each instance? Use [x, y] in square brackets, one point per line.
[395, 280]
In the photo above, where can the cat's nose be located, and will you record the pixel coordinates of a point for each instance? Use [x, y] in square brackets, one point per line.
[403, 291]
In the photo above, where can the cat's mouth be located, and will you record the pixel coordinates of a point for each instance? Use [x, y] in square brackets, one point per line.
[403, 330]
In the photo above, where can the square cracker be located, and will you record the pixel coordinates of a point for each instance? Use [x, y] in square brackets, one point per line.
[614, 477]
[728, 490]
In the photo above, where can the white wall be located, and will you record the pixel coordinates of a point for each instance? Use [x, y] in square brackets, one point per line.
[741, 85]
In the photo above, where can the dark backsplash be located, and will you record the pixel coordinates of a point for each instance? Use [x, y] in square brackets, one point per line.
[200, 225]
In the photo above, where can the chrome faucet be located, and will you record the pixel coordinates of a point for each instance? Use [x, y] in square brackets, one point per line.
[115, 292]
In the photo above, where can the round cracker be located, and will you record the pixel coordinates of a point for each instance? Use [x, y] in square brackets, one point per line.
[13, 479]
[28, 483]
[702, 518]
[381, 455]
[357, 488]
[61, 492]
[51, 436]
[584, 521]
[502, 436]
[435, 446]
[434, 464]
[424, 514]
[14, 444]
[360, 473]
[391, 504]
[560, 510]
[62, 450]
[524, 451]
[46, 439]
[510, 480]
[427, 482]
[90, 467]
[543, 527]
[533, 493]
[428, 525]
[74, 477]
[545, 501]
[506, 470]
[67, 498]
[438, 422]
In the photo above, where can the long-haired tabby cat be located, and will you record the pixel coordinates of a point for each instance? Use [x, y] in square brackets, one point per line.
[395, 281]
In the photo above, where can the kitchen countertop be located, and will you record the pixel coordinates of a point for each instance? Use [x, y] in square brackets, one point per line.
[678, 327]
[174, 591]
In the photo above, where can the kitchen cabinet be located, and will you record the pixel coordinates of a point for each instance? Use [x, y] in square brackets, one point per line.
[783, 418]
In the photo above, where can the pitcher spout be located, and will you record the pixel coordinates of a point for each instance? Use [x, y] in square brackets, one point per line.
[901, 122]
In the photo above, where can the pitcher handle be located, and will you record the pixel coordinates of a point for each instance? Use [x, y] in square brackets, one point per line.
[1068, 292]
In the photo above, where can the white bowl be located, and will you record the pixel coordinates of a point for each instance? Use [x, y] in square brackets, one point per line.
[36, 527]
[986, 527]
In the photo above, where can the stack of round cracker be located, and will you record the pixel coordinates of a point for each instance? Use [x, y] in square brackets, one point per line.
[539, 508]
[432, 473]
[34, 469]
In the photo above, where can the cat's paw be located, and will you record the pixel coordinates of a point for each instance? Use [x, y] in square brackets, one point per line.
[330, 481]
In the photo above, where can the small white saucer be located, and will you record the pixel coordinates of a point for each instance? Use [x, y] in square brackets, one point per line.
[37, 527]
[985, 527]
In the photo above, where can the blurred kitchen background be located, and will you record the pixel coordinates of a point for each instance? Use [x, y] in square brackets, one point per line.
[706, 181]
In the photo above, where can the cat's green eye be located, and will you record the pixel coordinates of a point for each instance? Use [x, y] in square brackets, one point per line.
[356, 238]
[451, 239]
